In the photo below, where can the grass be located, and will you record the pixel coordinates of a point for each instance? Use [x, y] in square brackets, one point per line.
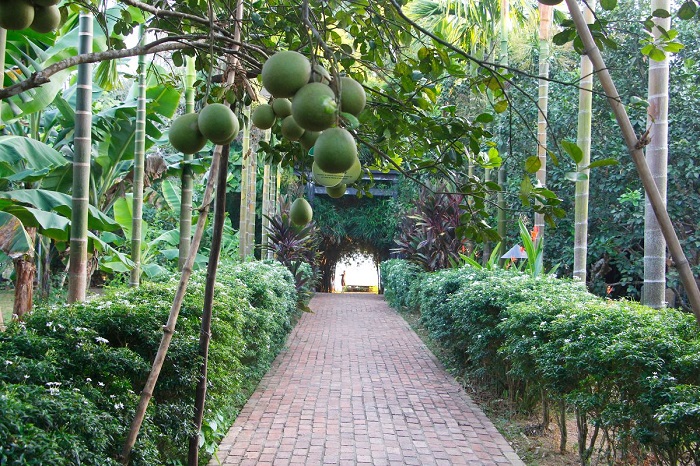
[7, 298]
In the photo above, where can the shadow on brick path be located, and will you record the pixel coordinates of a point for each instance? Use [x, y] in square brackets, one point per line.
[356, 385]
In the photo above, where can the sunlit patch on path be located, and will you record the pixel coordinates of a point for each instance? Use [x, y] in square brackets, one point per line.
[357, 386]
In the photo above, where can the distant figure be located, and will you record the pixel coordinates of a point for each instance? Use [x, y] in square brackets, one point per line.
[342, 281]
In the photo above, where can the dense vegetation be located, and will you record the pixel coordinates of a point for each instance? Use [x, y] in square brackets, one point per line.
[630, 374]
[71, 375]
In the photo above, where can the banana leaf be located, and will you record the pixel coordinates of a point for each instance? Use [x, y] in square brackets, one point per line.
[14, 240]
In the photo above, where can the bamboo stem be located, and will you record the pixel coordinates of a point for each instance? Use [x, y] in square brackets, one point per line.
[169, 328]
[634, 146]
[139, 156]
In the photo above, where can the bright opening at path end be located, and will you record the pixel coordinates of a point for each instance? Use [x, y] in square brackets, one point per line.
[359, 271]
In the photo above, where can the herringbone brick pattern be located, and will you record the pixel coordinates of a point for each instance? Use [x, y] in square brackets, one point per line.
[357, 386]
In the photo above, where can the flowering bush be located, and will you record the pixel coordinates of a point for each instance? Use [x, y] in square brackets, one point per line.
[630, 374]
[71, 375]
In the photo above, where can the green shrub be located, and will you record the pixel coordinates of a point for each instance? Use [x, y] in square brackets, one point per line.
[72, 374]
[398, 277]
[631, 374]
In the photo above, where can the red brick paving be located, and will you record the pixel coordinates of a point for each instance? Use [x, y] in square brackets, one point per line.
[356, 386]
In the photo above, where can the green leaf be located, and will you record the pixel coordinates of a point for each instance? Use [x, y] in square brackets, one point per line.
[575, 176]
[660, 13]
[657, 54]
[687, 10]
[352, 121]
[603, 163]
[673, 47]
[608, 5]
[532, 164]
[500, 106]
[172, 195]
[26, 152]
[14, 240]
[484, 118]
[60, 203]
[573, 150]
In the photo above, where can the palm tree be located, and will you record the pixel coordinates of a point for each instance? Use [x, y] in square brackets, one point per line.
[542, 102]
[583, 140]
[78, 275]
[654, 290]
[139, 155]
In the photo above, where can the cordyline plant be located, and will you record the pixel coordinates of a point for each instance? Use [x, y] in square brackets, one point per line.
[293, 245]
[429, 234]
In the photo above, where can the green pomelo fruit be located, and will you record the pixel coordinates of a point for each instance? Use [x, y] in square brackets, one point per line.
[314, 107]
[291, 130]
[218, 123]
[308, 139]
[550, 2]
[352, 96]
[263, 117]
[46, 19]
[300, 213]
[324, 178]
[319, 74]
[353, 173]
[336, 191]
[335, 150]
[282, 107]
[45, 2]
[16, 15]
[284, 73]
[184, 134]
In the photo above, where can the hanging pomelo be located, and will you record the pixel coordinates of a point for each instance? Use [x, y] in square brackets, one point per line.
[335, 150]
[218, 123]
[263, 116]
[353, 173]
[324, 178]
[282, 107]
[352, 96]
[46, 19]
[314, 107]
[45, 2]
[300, 213]
[291, 130]
[319, 74]
[308, 139]
[184, 134]
[284, 73]
[16, 15]
[550, 2]
[336, 191]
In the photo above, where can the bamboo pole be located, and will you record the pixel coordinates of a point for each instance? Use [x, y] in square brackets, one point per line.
[169, 328]
[245, 168]
[205, 332]
[583, 140]
[78, 276]
[187, 178]
[139, 156]
[634, 146]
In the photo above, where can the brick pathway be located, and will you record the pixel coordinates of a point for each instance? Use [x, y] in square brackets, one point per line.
[357, 386]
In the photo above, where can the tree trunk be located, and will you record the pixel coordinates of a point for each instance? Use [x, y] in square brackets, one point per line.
[187, 179]
[634, 146]
[501, 199]
[542, 104]
[78, 277]
[654, 290]
[139, 156]
[583, 140]
[25, 273]
[245, 179]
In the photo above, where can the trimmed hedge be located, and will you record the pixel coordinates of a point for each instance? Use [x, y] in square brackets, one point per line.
[71, 375]
[630, 374]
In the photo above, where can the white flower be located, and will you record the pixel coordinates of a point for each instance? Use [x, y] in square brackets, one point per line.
[8, 363]
[119, 406]
[101, 340]
[101, 384]
[88, 379]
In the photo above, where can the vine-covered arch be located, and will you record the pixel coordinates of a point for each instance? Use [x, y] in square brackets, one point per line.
[351, 225]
